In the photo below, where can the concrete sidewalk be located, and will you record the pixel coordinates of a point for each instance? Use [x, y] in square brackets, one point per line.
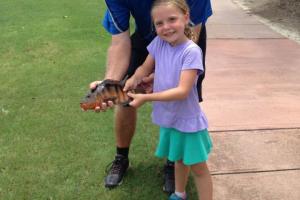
[252, 95]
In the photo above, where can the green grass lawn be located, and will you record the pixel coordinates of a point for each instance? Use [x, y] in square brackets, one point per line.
[49, 149]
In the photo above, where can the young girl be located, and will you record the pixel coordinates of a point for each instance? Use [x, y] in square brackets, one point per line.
[183, 126]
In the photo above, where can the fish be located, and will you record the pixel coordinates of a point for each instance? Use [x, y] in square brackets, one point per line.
[107, 90]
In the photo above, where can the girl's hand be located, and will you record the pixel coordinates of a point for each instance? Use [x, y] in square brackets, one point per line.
[130, 84]
[138, 99]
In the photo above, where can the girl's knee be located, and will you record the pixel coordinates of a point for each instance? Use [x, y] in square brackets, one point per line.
[180, 162]
[200, 169]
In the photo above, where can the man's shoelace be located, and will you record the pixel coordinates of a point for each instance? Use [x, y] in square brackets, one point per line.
[114, 167]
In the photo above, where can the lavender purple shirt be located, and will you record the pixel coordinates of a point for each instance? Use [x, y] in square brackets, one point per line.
[184, 115]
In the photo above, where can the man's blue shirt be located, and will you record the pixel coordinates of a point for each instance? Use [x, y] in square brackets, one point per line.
[116, 18]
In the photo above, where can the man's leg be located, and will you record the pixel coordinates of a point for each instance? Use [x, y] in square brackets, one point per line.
[125, 122]
[169, 177]
[169, 183]
[125, 119]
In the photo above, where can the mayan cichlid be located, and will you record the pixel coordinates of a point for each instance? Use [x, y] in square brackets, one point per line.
[107, 90]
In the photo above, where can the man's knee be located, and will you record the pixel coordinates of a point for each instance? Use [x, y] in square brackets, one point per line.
[125, 116]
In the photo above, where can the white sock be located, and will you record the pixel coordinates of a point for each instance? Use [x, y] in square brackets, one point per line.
[181, 194]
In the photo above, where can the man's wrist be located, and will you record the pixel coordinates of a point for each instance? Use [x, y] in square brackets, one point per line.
[114, 77]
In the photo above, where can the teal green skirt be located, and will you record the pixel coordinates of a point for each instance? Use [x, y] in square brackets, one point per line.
[191, 148]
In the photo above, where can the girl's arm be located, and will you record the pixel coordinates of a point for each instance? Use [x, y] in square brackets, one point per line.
[142, 71]
[187, 80]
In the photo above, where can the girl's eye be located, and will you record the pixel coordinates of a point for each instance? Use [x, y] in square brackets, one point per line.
[172, 19]
[158, 23]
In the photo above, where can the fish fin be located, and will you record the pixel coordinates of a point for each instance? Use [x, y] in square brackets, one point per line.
[122, 82]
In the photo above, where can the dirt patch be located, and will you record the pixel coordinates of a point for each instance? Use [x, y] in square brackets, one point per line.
[281, 15]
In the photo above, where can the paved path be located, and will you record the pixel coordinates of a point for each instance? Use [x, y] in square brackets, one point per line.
[252, 100]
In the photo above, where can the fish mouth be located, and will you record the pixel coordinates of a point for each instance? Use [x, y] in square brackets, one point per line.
[87, 106]
[83, 106]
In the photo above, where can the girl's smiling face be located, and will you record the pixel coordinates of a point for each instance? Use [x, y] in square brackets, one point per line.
[170, 23]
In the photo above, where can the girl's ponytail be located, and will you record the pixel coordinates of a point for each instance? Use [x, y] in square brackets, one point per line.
[188, 32]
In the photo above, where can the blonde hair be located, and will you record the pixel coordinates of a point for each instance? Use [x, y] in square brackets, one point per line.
[183, 7]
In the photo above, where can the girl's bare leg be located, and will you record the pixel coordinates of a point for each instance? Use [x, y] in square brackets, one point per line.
[203, 181]
[181, 176]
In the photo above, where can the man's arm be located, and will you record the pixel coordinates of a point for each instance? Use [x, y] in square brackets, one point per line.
[118, 56]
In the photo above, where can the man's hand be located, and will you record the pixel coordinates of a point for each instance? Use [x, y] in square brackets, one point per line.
[147, 83]
[104, 106]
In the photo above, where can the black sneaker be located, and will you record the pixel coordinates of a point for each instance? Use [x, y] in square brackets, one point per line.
[169, 178]
[117, 171]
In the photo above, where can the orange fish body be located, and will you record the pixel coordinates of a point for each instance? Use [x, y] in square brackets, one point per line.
[107, 90]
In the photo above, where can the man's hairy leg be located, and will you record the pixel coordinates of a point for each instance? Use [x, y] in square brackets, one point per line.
[125, 123]
[125, 119]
